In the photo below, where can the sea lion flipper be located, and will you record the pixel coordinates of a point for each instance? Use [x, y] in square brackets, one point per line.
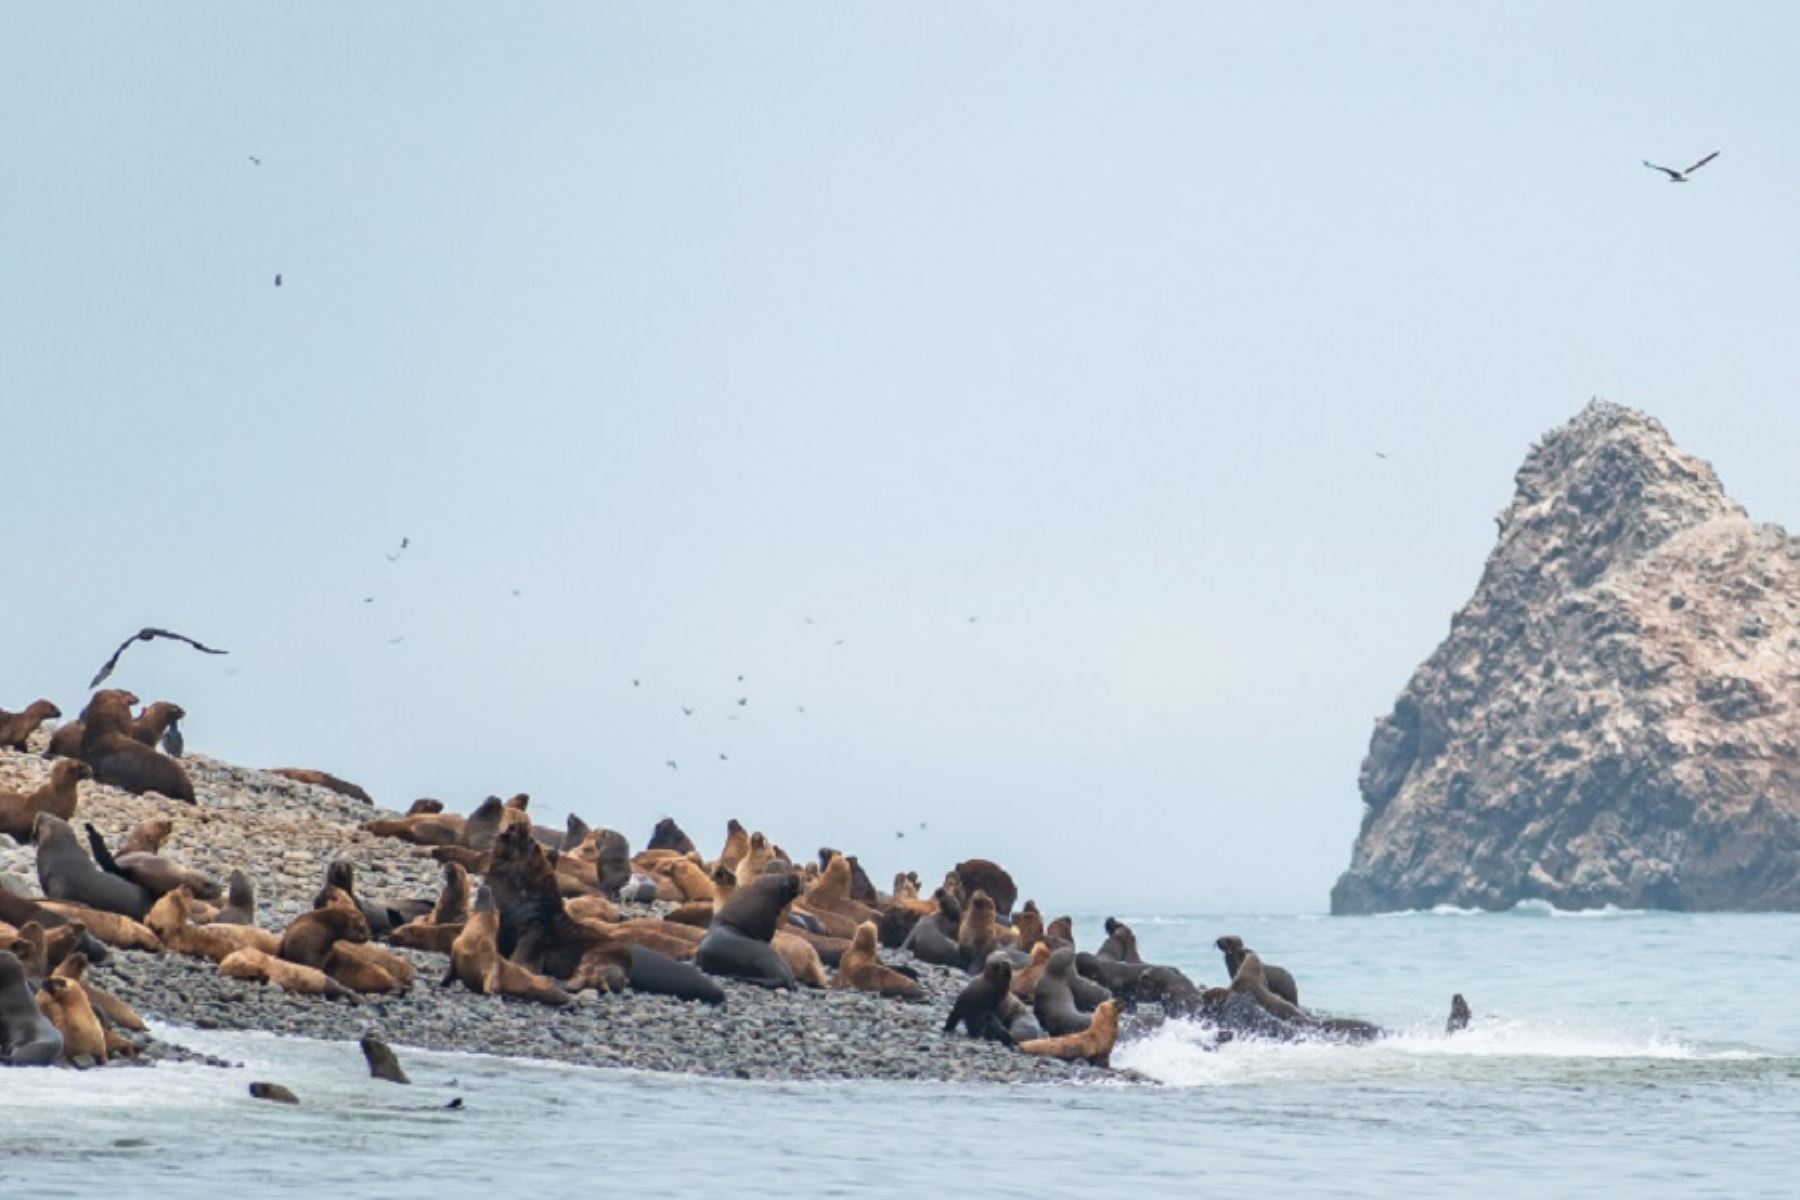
[102, 856]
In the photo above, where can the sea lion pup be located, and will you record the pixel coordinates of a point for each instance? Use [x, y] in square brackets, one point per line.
[382, 1062]
[147, 836]
[27, 1037]
[121, 760]
[152, 872]
[323, 779]
[668, 836]
[16, 728]
[1024, 984]
[55, 796]
[259, 967]
[537, 931]
[1279, 981]
[171, 920]
[1028, 926]
[737, 944]
[309, 937]
[934, 938]
[690, 879]
[861, 968]
[1094, 1043]
[66, 1006]
[1060, 933]
[1120, 944]
[977, 1006]
[1053, 999]
[112, 1010]
[978, 874]
[475, 960]
[1459, 1015]
[264, 1090]
[975, 936]
[65, 872]
[240, 901]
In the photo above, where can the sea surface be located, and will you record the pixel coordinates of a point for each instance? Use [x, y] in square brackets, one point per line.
[1616, 1053]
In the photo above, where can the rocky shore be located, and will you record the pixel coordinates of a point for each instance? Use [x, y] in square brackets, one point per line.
[285, 833]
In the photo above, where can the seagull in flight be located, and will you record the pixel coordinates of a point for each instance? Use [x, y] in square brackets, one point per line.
[145, 635]
[1381, 454]
[686, 711]
[404, 542]
[256, 160]
[670, 763]
[1681, 176]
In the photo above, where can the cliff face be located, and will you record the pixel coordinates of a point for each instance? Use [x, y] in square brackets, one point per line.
[1615, 715]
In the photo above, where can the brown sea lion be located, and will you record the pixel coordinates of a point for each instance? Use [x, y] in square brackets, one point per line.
[354, 965]
[425, 806]
[592, 908]
[65, 872]
[975, 934]
[1279, 981]
[17, 728]
[655, 935]
[977, 1006]
[1028, 926]
[152, 872]
[122, 761]
[324, 779]
[55, 796]
[759, 855]
[483, 825]
[61, 942]
[148, 836]
[27, 945]
[861, 968]
[171, 919]
[1095, 1043]
[114, 929]
[1459, 1015]
[1060, 933]
[309, 937]
[421, 829]
[737, 845]
[668, 836]
[275, 1092]
[689, 878]
[293, 977]
[112, 1010]
[1251, 980]
[66, 1006]
[978, 874]
[934, 938]
[1024, 984]
[383, 916]
[475, 960]
[801, 957]
[831, 892]
[149, 726]
[382, 1062]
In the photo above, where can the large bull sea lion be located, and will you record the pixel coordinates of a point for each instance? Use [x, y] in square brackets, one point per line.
[65, 872]
[737, 944]
[27, 1037]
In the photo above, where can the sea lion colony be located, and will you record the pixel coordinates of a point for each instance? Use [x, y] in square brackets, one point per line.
[539, 916]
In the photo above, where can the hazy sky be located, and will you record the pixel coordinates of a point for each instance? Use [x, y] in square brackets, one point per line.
[692, 322]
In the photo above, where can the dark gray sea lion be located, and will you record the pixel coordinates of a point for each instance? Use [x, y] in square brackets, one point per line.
[862, 888]
[1459, 1015]
[1279, 981]
[737, 946]
[483, 825]
[896, 925]
[1142, 983]
[1021, 1023]
[263, 1090]
[383, 916]
[1120, 944]
[152, 872]
[65, 872]
[425, 806]
[26, 1037]
[240, 901]
[613, 868]
[668, 836]
[977, 1006]
[575, 831]
[380, 1057]
[1053, 1000]
[933, 938]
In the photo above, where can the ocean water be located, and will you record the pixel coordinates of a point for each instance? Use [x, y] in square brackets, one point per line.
[1615, 1053]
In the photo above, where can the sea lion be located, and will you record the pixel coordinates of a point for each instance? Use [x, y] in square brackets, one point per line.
[758, 856]
[263, 1090]
[424, 806]
[668, 836]
[16, 728]
[1279, 981]
[382, 1062]
[1028, 926]
[575, 831]
[18, 910]
[612, 861]
[66, 1006]
[1094, 1043]
[896, 925]
[861, 968]
[421, 829]
[934, 938]
[1021, 1023]
[476, 963]
[979, 874]
[324, 779]
[147, 836]
[112, 1010]
[1459, 1015]
[240, 901]
[689, 878]
[737, 844]
[1024, 984]
[27, 945]
[171, 920]
[309, 937]
[1060, 933]
[483, 825]
[110, 928]
[1138, 983]
[65, 872]
[56, 796]
[831, 892]
[1120, 944]
[302, 980]
[358, 967]
[27, 1037]
[383, 916]
[862, 888]
[977, 1006]
[150, 726]
[1053, 999]
[121, 760]
[152, 872]
[737, 944]
[975, 936]
[1251, 979]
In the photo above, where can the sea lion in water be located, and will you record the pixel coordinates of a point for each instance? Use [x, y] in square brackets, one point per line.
[27, 1038]
[65, 872]
[1120, 944]
[66, 1006]
[934, 938]
[293, 977]
[979, 874]
[263, 1090]
[1459, 1015]
[737, 944]
[380, 1057]
[977, 1006]
[17, 728]
[1094, 1043]
[1053, 1001]
[152, 872]
[56, 796]
[240, 901]
[1279, 981]
[861, 968]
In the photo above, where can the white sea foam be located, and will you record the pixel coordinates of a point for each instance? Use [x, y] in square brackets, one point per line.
[1524, 908]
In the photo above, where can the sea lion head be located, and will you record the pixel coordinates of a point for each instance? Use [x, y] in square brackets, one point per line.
[518, 802]
[425, 806]
[1060, 962]
[42, 710]
[998, 971]
[981, 906]
[74, 966]
[168, 709]
[341, 874]
[864, 941]
[69, 770]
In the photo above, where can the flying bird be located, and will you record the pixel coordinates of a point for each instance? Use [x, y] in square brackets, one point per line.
[722, 758]
[1681, 176]
[145, 635]
[277, 279]
[256, 160]
[686, 711]
[397, 640]
[743, 700]
[670, 763]
[899, 833]
[171, 740]
[404, 543]
[1380, 454]
[634, 683]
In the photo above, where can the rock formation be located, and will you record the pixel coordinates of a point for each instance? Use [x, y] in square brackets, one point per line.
[1614, 717]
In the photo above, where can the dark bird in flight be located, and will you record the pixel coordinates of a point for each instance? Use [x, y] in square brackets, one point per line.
[921, 824]
[899, 833]
[722, 758]
[634, 683]
[145, 635]
[974, 618]
[670, 763]
[743, 700]
[256, 160]
[404, 543]
[368, 599]
[277, 279]
[686, 711]
[171, 740]
[1380, 454]
[1681, 176]
[396, 641]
